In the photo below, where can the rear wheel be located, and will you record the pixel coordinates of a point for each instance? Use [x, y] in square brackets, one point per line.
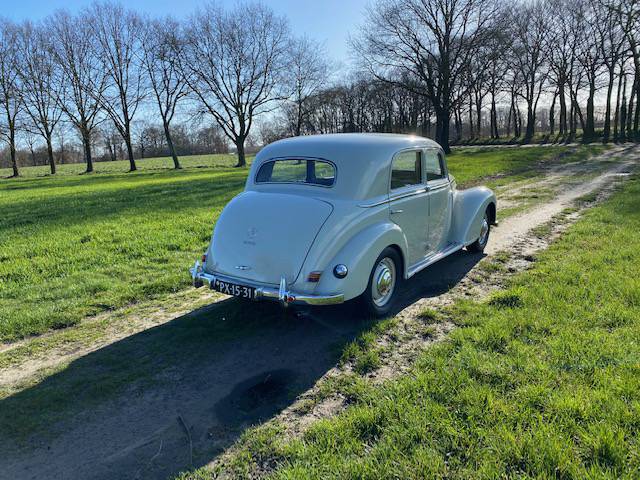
[485, 228]
[384, 283]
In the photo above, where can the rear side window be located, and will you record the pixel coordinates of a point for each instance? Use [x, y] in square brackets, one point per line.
[406, 170]
[312, 172]
[434, 166]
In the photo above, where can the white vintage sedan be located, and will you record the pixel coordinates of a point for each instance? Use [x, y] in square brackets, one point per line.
[328, 218]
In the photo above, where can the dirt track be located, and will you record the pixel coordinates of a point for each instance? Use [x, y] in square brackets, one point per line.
[203, 392]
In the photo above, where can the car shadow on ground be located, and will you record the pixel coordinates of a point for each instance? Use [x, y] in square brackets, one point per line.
[175, 396]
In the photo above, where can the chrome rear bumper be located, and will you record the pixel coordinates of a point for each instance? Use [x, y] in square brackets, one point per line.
[281, 294]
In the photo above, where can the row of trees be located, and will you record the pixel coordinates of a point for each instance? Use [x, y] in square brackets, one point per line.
[435, 67]
[109, 65]
[479, 60]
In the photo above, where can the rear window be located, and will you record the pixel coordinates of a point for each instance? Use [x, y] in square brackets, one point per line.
[311, 172]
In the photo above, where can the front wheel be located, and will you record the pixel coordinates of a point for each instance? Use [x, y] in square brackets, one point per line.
[485, 228]
[384, 283]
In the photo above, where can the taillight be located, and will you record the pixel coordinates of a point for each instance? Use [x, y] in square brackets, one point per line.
[314, 277]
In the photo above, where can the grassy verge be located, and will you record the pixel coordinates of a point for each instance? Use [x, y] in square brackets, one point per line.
[122, 166]
[542, 380]
[499, 166]
[76, 245]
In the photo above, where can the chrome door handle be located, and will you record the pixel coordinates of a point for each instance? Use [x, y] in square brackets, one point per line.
[396, 211]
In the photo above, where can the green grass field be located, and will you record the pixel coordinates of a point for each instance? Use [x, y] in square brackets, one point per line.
[122, 166]
[76, 245]
[542, 380]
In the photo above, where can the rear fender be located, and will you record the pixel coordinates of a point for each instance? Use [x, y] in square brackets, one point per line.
[469, 207]
[359, 255]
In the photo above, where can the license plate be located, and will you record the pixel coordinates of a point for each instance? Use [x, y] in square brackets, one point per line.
[234, 289]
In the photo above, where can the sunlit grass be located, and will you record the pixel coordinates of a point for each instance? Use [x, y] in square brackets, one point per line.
[75, 245]
[122, 166]
[541, 380]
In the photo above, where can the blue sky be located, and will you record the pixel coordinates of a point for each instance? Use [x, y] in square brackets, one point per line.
[329, 21]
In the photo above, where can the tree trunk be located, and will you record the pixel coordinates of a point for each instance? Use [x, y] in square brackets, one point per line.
[531, 119]
[589, 127]
[241, 156]
[12, 148]
[616, 115]
[572, 119]
[172, 150]
[470, 117]
[52, 162]
[86, 140]
[623, 111]
[132, 162]
[127, 141]
[479, 117]
[563, 110]
[458, 124]
[552, 114]
[442, 129]
[630, 110]
[494, 117]
[607, 115]
[636, 119]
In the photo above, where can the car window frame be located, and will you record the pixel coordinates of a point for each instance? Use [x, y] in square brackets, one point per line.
[443, 166]
[297, 157]
[392, 192]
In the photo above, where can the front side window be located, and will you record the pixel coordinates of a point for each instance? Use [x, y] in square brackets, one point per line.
[434, 165]
[406, 169]
[305, 171]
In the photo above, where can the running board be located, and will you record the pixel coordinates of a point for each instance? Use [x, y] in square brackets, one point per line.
[422, 264]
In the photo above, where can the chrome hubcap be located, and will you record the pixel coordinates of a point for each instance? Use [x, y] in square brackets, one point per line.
[484, 231]
[384, 282]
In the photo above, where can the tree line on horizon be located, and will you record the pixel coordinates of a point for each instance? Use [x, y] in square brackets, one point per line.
[440, 68]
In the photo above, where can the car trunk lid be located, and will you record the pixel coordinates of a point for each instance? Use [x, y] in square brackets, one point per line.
[262, 237]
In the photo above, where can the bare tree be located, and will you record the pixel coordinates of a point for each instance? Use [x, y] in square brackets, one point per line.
[161, 49]
[560, 53]
[529, 23]
[308, 73]
[430, 40]
[119, 40]
[10, 89]
[41, 89]
[233, 63]
[629, 15]
[611, 44]
[80, 73]
[589, 56]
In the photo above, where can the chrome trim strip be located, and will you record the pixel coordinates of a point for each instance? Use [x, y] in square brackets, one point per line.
[408, 194]
[439, 187]
[373, 204]
[398, 196]
[200, 277]
[422, 264]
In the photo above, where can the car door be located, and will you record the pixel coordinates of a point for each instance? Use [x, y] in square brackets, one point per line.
[409, 202]
[440, 200]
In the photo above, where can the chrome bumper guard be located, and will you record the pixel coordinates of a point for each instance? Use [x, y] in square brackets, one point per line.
[281, 294]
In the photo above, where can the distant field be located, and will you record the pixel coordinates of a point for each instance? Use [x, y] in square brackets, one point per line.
[76, 245]
[122, 166]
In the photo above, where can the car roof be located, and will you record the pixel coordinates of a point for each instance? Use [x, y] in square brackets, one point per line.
[391, 141]
[362, 159]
